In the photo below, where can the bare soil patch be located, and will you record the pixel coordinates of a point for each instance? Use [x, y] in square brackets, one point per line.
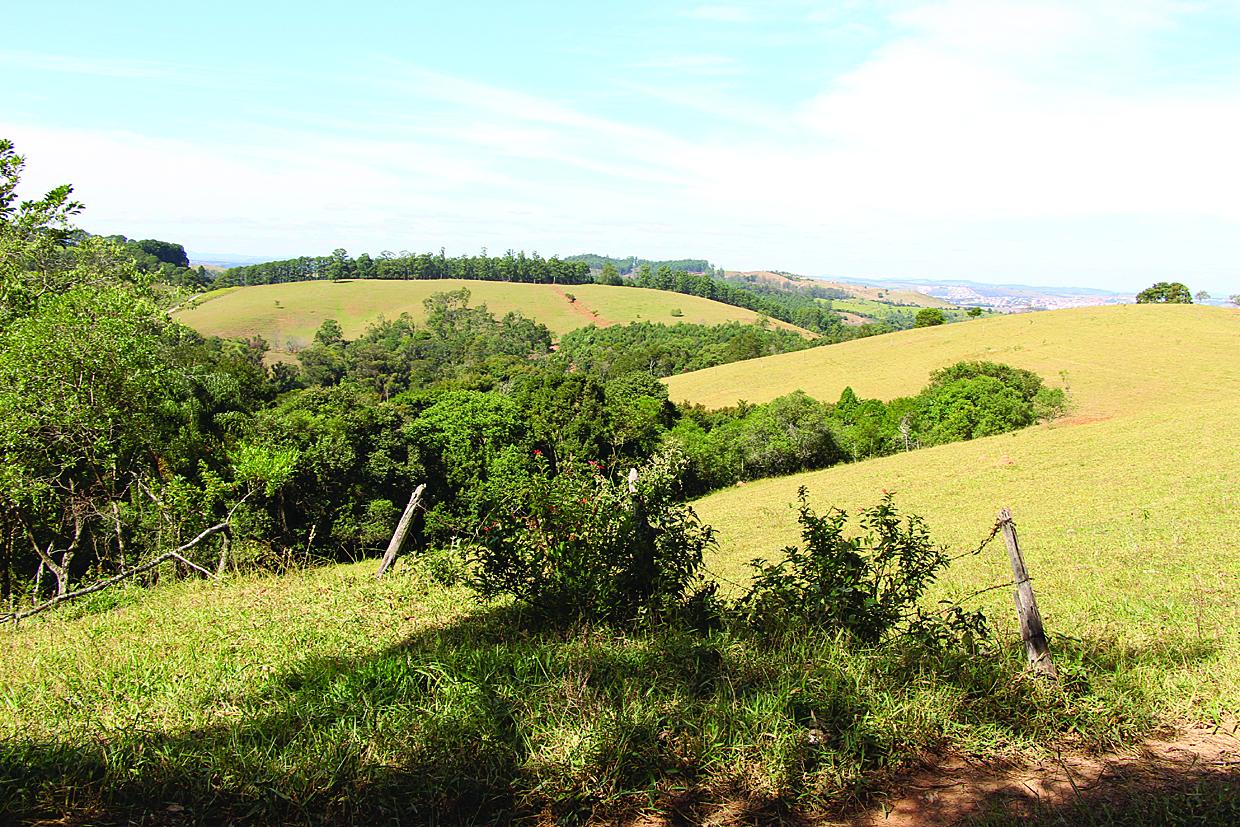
[1164, 776]
[958, 790]
[580, 308]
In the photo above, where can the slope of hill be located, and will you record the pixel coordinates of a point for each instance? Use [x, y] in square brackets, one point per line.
[1129, 508]
[890, 295]
[287, 315]
[1113, 357]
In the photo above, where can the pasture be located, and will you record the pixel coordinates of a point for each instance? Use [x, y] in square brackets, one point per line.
[287, 315]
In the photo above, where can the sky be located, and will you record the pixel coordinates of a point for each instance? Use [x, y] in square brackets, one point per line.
[1088, 142]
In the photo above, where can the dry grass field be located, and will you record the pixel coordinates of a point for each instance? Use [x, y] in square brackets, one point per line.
[1129, 508]
[287, 315]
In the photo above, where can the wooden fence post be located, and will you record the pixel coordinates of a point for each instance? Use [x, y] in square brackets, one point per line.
[402, 529]
[1031, 631]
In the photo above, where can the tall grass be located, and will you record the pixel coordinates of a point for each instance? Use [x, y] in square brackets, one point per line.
[328, 697]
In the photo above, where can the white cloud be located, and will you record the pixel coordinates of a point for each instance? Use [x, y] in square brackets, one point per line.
[940, 154]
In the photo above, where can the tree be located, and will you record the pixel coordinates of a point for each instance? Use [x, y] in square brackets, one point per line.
[106, 405]
[929, 317]
[1202, 296]
[1234, 299]
[610, 275]
[1165, 292]
[165, 251]
[974, 312]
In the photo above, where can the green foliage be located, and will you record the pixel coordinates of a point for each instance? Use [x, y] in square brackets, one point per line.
[1165, 292]
[517, 267]
[789, 306]
[609, 276]
[630, 264]
[929, 317]
[263, 467]
[578, 546]
[165, 251]
[458, 343]
[666, 350]
[973, 312]
[975, 399]
[796, 433]
[866, 586]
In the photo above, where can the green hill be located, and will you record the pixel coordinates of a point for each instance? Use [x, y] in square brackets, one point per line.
[1129, 507]
[287, 315]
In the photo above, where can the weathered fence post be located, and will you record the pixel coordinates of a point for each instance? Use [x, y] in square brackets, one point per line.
[1031, 631]
[402, 529]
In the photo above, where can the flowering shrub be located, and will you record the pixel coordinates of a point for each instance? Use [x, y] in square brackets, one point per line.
[580, 546]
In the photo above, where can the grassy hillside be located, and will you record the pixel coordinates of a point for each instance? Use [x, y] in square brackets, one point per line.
[1129, 508]
[327, 696]
[857, 291]
[288, 314]
[1113, 359]
[885, 294]
[869, 310]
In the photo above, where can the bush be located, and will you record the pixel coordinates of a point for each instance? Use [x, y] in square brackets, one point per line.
[975, 399]
[578, 546]
[864, 586]
[929, 317]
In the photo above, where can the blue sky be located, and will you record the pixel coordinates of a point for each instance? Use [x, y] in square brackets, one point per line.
[1086, 143]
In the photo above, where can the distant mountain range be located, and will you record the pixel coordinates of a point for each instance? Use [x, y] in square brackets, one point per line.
[1003, 297]
[225, 259]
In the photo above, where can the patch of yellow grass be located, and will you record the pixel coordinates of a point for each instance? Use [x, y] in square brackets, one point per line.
[1113, 359]
[287, 315]
[1128, 509]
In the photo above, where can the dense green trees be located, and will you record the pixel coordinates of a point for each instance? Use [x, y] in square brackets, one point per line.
[792, 307]
[1165, 292]
[796, 432]
[929, 317]
[110, 414]
[124, 434]
[624, 266]
[512, 266]
[665, 350]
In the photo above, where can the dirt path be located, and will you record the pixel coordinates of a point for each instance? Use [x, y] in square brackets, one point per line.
[581, 310]
[1178, 778]
[956, 789]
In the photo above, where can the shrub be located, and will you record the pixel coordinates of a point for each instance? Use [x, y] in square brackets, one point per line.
[971, 408]
[974, 399]
[864, 586]
[579, 546]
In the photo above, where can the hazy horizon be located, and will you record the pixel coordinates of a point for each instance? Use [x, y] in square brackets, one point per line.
[1049, 143]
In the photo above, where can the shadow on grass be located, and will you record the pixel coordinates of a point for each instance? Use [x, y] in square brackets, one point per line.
[487, 720]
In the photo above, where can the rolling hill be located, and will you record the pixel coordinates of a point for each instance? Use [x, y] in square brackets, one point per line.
[287, 315]
[864, 292]
[1129, 508]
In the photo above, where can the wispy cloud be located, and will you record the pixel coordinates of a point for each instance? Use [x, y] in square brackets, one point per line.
[933, 154]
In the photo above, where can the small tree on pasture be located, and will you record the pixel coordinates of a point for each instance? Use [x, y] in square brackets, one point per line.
[1165, 292]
